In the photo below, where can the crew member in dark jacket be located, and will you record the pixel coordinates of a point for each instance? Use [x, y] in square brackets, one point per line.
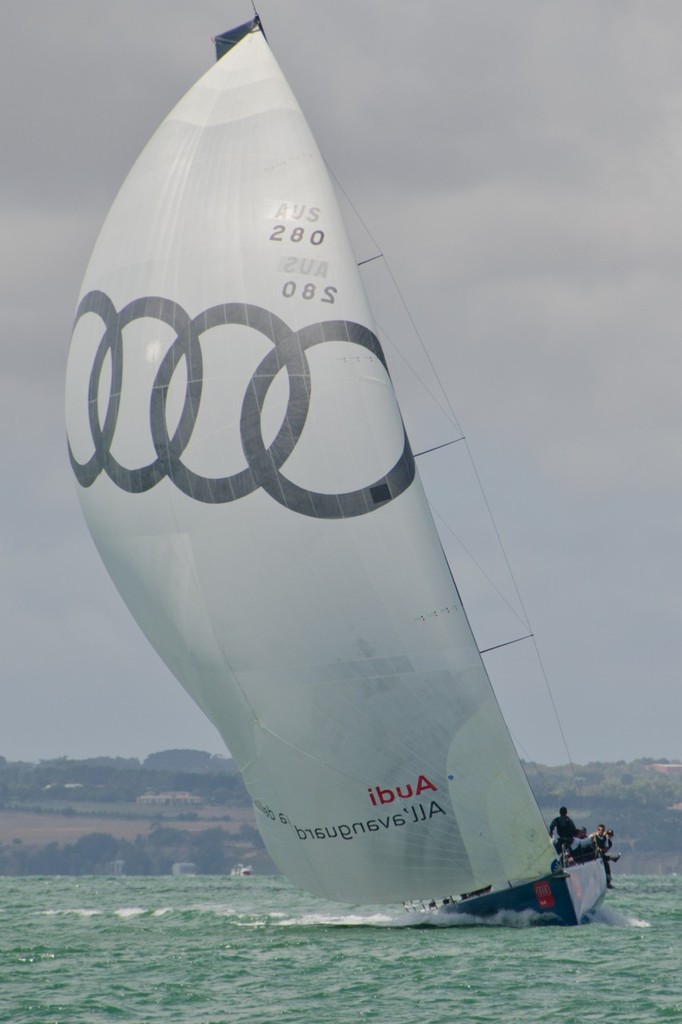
[565, 830]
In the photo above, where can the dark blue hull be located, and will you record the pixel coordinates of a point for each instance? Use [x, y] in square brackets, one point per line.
[566, 898]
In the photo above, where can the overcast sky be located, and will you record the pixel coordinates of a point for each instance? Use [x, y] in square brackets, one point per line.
[520, 166]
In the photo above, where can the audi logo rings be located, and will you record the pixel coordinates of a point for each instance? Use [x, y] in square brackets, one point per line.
[263, 463]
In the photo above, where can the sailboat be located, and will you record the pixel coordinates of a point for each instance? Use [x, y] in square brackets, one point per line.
[241, 870]
[243, 467]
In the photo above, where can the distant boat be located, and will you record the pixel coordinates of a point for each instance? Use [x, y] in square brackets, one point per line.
[244, 470]
[242, 870]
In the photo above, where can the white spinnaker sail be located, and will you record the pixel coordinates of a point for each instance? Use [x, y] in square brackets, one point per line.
[242, 466]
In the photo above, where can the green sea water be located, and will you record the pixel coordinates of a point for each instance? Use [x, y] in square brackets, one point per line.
[209, 950]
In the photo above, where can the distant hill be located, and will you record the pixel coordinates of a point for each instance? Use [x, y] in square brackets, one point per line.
[113, 814]
[191, 761]
[641, 800]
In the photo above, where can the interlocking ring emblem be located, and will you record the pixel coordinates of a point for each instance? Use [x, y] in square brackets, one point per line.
[263, 463]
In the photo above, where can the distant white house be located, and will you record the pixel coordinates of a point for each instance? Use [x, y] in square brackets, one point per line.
[184, 867]
[667, 769]
[169, 799]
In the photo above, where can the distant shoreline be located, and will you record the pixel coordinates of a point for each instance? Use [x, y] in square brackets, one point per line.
[106, 814]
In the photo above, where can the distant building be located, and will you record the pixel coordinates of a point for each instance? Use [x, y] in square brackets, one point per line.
[169, 799]
[114, 867]
[667, 769]
[184, 867]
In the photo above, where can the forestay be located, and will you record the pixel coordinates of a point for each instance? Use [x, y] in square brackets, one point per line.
[244, 471]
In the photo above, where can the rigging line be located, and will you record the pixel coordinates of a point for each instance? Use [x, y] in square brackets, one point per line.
[525, 619]
[448, 412]
[400, 295]
[514, 611]
[530, 760]
[507, 643]
[387, 337]
[521, 604]
[530, 763]
[437, 448]
[556, 711]
[476, 473]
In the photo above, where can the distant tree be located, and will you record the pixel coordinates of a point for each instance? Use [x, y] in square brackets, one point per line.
[250, 834]
[208, 851]
[46, 860]
[119, 763]
[179, 761]
[162, 837]
[221, 764]
[136, 860]
[89, 854]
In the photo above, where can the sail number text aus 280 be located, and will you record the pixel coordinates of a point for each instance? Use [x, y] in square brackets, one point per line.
[313, 269]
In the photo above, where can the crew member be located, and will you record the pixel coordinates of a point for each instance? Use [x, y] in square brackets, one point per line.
[603, 840]
[582, 847]
[565, 830]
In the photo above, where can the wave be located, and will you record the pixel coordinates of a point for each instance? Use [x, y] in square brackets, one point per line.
[615, 918]
[355, 918]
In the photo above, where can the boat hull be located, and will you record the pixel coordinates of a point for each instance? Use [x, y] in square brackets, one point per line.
[565, 898]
